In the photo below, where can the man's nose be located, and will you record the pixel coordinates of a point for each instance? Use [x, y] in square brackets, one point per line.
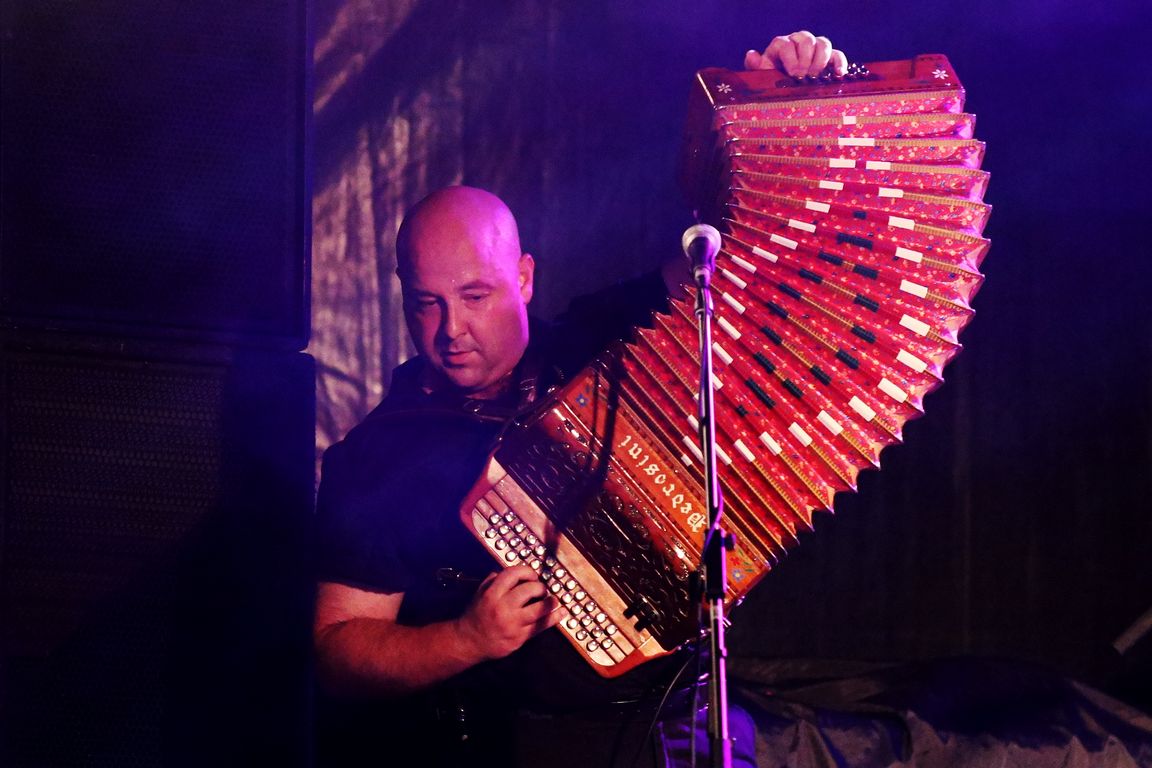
[452, 325]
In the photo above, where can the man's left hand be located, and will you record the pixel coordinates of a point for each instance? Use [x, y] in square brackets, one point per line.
[800, 54]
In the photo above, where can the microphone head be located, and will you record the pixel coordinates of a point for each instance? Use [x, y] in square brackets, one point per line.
[707, 232]
[701, 243]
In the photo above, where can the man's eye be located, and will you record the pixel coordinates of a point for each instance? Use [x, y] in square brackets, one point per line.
[474, 297]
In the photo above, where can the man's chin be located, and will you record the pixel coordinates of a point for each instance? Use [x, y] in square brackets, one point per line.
[475, 384]
[466, 380]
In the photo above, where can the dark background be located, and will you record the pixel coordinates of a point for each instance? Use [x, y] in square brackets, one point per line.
[154, 293]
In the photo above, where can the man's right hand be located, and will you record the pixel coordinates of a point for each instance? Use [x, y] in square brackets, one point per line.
[361, 649]
[509, 608]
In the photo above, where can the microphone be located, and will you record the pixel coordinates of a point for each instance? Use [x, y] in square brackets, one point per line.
[701, 243]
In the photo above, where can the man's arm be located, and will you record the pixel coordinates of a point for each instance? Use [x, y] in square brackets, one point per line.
[362, 651]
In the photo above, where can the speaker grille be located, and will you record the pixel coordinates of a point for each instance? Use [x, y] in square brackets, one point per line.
[154, 511]
[154, 178]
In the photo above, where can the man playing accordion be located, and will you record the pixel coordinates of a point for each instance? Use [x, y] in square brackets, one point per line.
[427, 654]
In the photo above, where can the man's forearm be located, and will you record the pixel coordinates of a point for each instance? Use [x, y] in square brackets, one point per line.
[377, 657]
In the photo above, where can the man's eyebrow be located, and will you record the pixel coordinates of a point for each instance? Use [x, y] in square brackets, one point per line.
[477, 285]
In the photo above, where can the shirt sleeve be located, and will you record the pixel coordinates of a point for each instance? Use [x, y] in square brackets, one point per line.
[352, 546]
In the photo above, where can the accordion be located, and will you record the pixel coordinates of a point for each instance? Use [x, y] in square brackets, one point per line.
[851, 216]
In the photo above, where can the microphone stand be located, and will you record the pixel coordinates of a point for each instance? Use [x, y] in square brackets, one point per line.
[701, 243]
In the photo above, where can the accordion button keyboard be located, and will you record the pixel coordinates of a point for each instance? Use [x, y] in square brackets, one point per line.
[585, 622]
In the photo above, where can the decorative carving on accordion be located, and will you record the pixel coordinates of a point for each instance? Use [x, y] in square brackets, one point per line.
[851, 216]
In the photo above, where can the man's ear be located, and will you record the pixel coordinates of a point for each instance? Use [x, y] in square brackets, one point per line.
[527, 268]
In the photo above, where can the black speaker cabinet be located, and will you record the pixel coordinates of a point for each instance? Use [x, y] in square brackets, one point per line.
[155, 589]
[153, 174]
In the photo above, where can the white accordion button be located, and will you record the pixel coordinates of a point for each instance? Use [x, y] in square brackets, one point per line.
[909, 254]
[729, 329]
[736, 305]
[830, 423]
[861, 408]
[917, 326]
[800, 434]
[765, 254]
[772, 444]
[694, 449]
[738, 281]
[913, 288]
[747, 266]
[911, 361]
[788, 243]
[722, 353]
[893, 391]
[743, 450]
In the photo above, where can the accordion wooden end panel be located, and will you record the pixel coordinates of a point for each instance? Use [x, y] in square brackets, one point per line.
[851, 216]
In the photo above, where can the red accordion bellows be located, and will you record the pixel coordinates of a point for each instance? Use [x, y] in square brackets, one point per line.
[851, 216]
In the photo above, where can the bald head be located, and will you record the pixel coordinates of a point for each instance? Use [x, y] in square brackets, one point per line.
[466, 288]
[456, 217]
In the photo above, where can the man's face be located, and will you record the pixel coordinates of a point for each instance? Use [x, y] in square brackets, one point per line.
[466, 290]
